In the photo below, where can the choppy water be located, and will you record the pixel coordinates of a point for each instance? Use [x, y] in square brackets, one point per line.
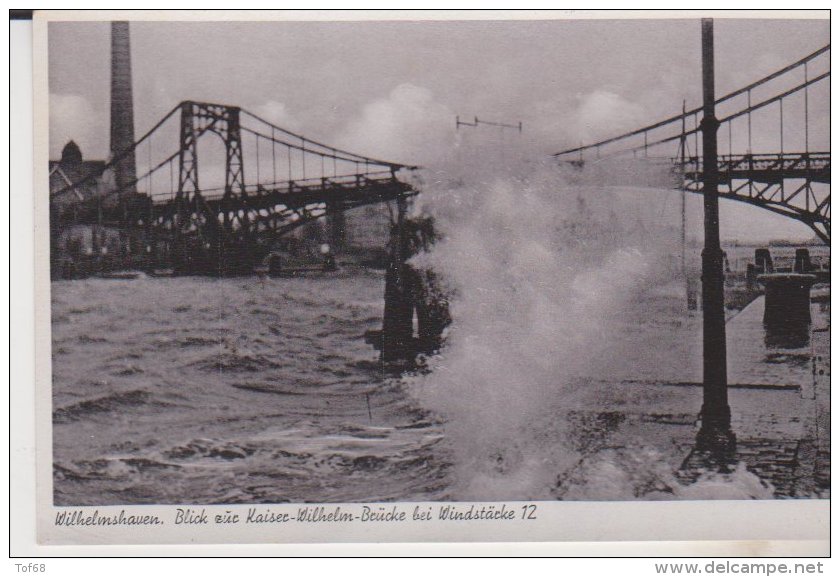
[231, 390]
[239, 390]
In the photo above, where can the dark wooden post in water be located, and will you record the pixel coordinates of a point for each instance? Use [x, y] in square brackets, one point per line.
[715, 433]
[802, 264]
[409, 290]
[398, 319]
[336, 226]
[763, 261]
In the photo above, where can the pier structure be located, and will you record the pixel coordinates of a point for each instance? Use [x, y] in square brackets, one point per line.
[411, 294]
[801, 263]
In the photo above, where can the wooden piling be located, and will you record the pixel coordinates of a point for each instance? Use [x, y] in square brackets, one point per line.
[410, 292]
[763, 261]
[802, 263]
[398, 318]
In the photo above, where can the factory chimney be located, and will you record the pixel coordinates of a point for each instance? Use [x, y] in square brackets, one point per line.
[122, 110]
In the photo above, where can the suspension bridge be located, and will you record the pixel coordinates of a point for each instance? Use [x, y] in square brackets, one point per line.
[264, 181]
[259, 181]
[793, 182]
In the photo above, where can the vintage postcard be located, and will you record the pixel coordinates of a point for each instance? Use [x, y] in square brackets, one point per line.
[406, 276]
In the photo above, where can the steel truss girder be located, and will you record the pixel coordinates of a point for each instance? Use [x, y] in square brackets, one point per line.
[819, 218]
[759, 179]
[273, 213]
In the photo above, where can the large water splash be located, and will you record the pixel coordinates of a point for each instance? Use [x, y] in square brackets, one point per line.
[542, 272]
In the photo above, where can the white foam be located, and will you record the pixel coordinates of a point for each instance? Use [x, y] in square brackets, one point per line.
[541, 271]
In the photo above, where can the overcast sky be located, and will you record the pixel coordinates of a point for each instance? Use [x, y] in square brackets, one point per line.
[392, 89]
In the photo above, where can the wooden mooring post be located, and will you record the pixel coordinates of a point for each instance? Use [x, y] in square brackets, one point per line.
[410, 293]
[398, 318]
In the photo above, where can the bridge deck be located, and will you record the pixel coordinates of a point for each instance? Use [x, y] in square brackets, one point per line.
[344, 191]
[765, 168]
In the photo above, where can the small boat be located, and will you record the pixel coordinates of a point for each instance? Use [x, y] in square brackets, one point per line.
[162, 272]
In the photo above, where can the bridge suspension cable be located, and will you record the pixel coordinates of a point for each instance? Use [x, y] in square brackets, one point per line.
[92, 176]
[760, 179]
[319, 148]
[647, 145]
[597, 146]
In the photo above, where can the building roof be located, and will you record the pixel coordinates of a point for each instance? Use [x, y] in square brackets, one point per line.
[72, 168]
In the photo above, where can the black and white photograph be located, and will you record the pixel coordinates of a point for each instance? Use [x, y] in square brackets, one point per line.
[332, 266]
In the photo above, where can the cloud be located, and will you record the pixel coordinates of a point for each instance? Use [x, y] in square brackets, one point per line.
[408, 126]
[73, 117]
[568, 119]
[276, 113]
[603, 113]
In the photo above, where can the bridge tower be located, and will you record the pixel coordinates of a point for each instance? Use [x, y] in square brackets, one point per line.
[206, 240]
[122, 110]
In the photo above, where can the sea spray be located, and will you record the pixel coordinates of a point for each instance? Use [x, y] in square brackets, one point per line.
[639, 472]
[539, 271]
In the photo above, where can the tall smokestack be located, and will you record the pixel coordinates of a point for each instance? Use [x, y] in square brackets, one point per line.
[122, 108]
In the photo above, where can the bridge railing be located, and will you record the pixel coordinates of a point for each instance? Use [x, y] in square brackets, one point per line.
[782, 162]
[312, 185]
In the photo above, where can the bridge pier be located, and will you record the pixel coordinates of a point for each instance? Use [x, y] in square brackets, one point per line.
[409, 292]
[398, 316]
[336, 226]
